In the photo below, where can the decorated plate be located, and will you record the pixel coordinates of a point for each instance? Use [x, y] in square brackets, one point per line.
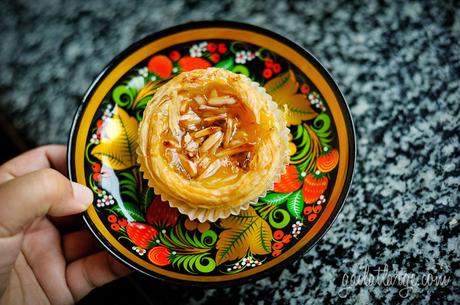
[149, 236]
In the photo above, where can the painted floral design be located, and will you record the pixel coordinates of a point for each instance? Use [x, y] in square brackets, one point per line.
[162, 236]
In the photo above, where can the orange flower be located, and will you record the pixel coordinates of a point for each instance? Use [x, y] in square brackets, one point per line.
[328, 161]
[160, 65]
[313, 187]
[289, 182]
[159, 256]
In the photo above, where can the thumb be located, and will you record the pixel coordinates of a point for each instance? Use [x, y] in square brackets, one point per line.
[39, 193]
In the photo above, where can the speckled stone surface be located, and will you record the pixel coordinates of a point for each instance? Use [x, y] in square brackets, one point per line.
[398, 65]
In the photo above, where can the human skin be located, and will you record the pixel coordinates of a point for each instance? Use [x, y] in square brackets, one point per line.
[43, 259]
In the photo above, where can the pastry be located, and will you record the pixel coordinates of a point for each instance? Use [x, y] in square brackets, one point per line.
[211, 142]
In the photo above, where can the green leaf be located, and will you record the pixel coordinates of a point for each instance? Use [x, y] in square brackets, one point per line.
[295, 204]
[225, 64]
[146, 198]
[129, 211]
[275, 198]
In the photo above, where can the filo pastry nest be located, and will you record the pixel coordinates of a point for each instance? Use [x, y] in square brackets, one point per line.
[211, 142]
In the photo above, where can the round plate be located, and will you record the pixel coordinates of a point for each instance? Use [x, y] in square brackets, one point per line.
[153, 238]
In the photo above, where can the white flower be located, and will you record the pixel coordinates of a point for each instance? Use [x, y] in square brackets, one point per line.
[174, 70]
[250, 56]
[153, 78]
[203, 45]
[94, 139]
[240, 57]
[136, 82]
[107, 200]
[144, 72]
[195, 51]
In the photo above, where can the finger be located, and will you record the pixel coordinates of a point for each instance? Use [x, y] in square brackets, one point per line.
[53, 156]
[36, 194]
[79, 244]
[93, 271]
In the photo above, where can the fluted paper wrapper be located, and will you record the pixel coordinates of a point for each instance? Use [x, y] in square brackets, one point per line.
[213, 213]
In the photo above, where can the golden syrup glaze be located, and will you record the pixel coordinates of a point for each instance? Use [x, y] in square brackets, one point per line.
[218, 135]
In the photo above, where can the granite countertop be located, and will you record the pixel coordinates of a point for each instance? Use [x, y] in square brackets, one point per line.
[398, 65]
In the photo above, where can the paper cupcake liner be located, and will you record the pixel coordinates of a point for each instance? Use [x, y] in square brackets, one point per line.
[212, 214]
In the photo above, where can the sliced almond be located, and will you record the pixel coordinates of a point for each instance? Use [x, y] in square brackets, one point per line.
[236, 142]
[221, 101]
[235, 150]
[171, 144]
[214, 119]
[210, 142]
[199, 99]
[206, 131]
[229, 131]
[184, 107]
[188, 125]
[189, 166]
[204, 163]
[206, 111]
[216, 146]
[210, 170]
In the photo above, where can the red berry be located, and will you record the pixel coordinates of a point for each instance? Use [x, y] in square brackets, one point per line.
[267, 73]
[215, 57]
[161, 214]
[276, 253]
[278, 234]
[96, 167]
[141, 234]
[112, 218]
[99, 123]
[276, 68]
[304, 89]
[307, 210]
[278, 245]
[123, 222]
[311, 217]
[97, 177]
[174, 55]
[269, 63]
[115, 226]
[287, 239]
[317, 209]
[212, 47]
[222, 48]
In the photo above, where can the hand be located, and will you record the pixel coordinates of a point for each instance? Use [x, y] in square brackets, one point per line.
[38, 265]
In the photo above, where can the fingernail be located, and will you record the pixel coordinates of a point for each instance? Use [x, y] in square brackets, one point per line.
[82, 194]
